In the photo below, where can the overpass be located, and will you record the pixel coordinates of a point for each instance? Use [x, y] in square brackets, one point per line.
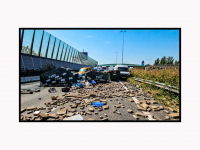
[39, 48]
[129, 65]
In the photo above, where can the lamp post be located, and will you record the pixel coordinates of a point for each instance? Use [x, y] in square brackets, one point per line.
[122, 45]
[116, 58]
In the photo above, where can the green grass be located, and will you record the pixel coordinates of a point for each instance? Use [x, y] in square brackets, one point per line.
[167, 98]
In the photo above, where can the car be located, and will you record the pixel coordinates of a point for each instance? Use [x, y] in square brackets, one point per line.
[85, 69]
[124, 71]
[101, 70]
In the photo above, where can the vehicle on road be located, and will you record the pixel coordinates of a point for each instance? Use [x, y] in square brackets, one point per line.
[104, 67]
[124, 71]
[85, 69]
[95, 68]
[102, 70]
[111, 68]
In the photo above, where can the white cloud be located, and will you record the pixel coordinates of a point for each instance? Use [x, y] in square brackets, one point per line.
[89, 36]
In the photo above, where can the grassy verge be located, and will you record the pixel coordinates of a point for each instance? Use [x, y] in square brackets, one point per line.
[167, 98]
[169, 76]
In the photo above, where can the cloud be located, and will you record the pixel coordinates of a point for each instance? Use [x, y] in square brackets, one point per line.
[89, 36]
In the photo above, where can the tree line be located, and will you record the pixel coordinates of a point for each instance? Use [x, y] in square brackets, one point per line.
[166, 61]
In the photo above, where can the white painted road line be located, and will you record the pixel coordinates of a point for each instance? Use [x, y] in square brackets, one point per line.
[123, 85]
[149, 116]
[135, 100]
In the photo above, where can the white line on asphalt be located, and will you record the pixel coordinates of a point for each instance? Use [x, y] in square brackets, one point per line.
[123, 85]
[149, 116]
[135, 100]
[53, 109]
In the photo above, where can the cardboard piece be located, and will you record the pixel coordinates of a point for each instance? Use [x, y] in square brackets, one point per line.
[62, 111]
[75, 117]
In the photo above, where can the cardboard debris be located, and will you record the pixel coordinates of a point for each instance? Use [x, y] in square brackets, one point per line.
[142, 108]
[69, 114]
[130, 100]
[31, 108]
[105, 107]
[104, 119]
[75, 117]
[43, 115]
[62, 111]
[90, 119]
[22, 110]
[90, 109]
[130, 111]
[174, 115]
[144, 105]
[73, 106]
[72, 110]
[140, 114]
[167, 117]
[87, 101]
[153, 102]
[52, 115]
[135, 117]
[36, 113]
[54, 97]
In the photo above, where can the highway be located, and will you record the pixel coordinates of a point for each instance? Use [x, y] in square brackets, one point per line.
[124, 102]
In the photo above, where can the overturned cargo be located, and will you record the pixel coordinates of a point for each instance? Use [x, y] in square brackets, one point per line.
[59, 76]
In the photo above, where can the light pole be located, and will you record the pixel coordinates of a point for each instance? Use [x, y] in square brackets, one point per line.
[122, 45]
[116, 58]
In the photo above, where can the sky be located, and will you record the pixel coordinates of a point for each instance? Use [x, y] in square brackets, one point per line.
[139, 45]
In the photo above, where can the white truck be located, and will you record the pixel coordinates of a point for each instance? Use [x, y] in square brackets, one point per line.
[124, 71]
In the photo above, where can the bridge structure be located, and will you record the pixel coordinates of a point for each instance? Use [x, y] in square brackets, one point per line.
[38, 48]
[129, 65]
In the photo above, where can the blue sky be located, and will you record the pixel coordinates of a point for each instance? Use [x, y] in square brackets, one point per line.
[139, 45]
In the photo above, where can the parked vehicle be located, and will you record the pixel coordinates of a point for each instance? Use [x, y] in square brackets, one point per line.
[85, 69]
[95, 68]
[102, 70]
[104, 67]
[124, 71]
[111, 68]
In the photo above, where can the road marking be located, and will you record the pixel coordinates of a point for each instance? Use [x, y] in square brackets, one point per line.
[149, 116]
[135, 100]
[123, 85]
[53, 109]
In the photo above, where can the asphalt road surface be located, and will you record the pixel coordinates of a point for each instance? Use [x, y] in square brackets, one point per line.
[38, 99]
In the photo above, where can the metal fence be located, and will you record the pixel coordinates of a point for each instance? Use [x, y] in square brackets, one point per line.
[42, 44]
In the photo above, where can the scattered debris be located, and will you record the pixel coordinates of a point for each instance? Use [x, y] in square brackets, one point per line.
[31, 108]
[36, 113]
[52, 90]
[174, 115]
[62, 111]
[130, 111]
[135, 117]
[90, 119]
[140, 114]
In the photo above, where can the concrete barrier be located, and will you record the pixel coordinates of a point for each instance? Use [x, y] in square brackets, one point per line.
[29, 79]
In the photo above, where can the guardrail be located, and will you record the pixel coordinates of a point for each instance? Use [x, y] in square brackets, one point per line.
[158, 84]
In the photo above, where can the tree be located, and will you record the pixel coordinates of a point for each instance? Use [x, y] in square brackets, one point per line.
[157, 61]
[169, 60]
[25, 49]
[176, 62]
[163, 61]
[147, 65]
